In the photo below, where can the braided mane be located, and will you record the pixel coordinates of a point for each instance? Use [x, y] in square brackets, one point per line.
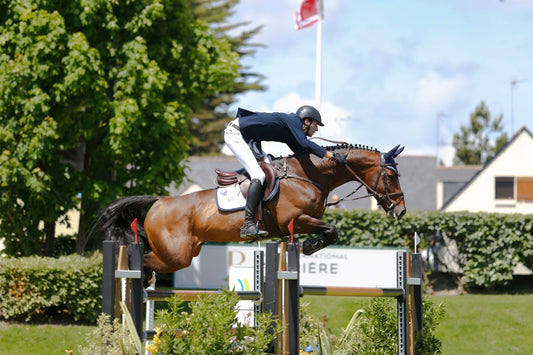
[333, 148]
[351, 146]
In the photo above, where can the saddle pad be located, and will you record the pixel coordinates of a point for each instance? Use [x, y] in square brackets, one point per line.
[230, 198]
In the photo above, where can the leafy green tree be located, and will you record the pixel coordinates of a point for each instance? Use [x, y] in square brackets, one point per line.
[209, 121]
[94, 100]
[481, 140]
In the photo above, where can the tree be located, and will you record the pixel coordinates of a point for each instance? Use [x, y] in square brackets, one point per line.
[94, 99]
[479, 142]
[208, 123]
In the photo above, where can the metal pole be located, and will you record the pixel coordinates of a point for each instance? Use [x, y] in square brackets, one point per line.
[136, 263]
[259, 263]
[403, 344]
[271, 286]
[440, 116]
[318, 84]
[108, 279]
[282, 301]
[513, 85]
[293, 266]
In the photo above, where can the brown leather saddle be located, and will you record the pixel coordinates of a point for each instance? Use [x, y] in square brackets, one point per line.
[241, 177]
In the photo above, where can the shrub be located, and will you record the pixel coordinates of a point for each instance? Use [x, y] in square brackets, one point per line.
[37, 288]
[374, 330]
[108, 338]
[210, 328]
[489, 245]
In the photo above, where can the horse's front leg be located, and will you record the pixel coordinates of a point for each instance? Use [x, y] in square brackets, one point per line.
[307, 224]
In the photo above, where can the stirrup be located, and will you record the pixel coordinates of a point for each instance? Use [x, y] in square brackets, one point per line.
[249, 230]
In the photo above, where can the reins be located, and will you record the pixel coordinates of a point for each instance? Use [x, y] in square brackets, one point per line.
[372, 191]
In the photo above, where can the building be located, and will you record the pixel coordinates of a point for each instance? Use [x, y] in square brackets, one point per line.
[504, 185]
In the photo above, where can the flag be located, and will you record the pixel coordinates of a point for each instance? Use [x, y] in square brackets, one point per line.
[133, 226]
[291, 230]
[417, 240]
[308, 14]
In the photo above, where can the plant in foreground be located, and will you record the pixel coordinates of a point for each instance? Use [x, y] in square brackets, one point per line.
[210, 327]
[372, 330]
[109, 338]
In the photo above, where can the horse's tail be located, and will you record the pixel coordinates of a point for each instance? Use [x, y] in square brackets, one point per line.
[114, 221]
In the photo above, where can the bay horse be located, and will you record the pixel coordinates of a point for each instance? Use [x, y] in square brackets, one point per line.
[175, 228]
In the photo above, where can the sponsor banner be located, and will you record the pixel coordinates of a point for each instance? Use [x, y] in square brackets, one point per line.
[241, 278]
[332, 266]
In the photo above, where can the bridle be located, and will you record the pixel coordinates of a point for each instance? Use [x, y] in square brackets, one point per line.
[382, 199]
[387, 197]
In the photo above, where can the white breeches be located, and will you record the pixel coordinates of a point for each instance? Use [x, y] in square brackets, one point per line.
[243, 152]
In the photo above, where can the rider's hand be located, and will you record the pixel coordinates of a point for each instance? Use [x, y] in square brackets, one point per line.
[338, 158]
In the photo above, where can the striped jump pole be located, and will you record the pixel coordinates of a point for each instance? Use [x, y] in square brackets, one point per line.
[351, 291]
[191, 295]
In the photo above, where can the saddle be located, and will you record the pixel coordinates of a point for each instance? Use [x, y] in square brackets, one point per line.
[241, 177]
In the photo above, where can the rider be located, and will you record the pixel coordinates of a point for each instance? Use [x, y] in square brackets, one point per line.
[245, 134]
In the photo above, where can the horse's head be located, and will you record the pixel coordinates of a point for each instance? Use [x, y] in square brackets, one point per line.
[381, 179]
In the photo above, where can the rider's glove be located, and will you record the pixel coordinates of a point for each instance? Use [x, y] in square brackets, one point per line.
[338, 158]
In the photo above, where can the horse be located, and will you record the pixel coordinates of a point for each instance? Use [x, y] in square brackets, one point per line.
[174, 228]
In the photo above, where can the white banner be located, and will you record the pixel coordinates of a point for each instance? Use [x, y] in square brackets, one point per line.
[332, 266]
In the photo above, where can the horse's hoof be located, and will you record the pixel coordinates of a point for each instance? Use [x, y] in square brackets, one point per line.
[309, 248]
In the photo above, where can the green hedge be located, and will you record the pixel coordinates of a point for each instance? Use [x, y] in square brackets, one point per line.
[37, 288]
[490, 245]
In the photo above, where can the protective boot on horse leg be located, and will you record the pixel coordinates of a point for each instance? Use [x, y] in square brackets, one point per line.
[330, 236]
[249, 228]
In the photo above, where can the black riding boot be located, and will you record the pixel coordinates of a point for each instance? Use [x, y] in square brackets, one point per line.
[249, 229]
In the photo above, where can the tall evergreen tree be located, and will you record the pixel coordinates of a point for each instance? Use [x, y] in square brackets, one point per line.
[208, 123]
[481, 140]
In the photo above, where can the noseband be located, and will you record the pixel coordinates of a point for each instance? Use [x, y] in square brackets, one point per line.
[387, 197]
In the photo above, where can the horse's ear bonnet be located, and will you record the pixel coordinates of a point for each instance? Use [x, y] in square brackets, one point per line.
[388, 158]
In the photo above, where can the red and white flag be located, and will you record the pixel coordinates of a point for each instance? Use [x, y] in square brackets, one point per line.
[308, 13]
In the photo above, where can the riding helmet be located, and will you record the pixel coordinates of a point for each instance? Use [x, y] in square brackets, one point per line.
[307, 111]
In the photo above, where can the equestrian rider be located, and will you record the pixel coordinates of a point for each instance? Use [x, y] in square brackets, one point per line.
[245, 134]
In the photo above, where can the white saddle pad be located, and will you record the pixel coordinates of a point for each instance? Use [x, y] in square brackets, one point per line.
[230, 198]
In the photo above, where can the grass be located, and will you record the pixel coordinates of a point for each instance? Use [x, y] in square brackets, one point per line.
[474, 324]
[487, 324]
[40, 339]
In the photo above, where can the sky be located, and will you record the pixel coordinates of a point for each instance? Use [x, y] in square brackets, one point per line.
[395, 72]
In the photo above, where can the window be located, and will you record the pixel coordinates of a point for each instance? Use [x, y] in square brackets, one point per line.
[524, 188]
[504, 188]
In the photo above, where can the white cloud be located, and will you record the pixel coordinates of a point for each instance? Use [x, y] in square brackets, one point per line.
[436, 93]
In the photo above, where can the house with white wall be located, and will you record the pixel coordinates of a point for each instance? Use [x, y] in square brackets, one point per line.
[504, 185]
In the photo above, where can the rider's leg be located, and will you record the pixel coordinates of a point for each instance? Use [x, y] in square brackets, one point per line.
[249, 228]
[243, 153]
[246, 157]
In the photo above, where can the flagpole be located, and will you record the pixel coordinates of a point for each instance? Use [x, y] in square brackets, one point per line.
[318, 74]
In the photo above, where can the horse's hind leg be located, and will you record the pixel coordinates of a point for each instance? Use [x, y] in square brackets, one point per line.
[153, 264]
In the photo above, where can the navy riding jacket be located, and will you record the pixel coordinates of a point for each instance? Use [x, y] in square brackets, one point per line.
[277, 127]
